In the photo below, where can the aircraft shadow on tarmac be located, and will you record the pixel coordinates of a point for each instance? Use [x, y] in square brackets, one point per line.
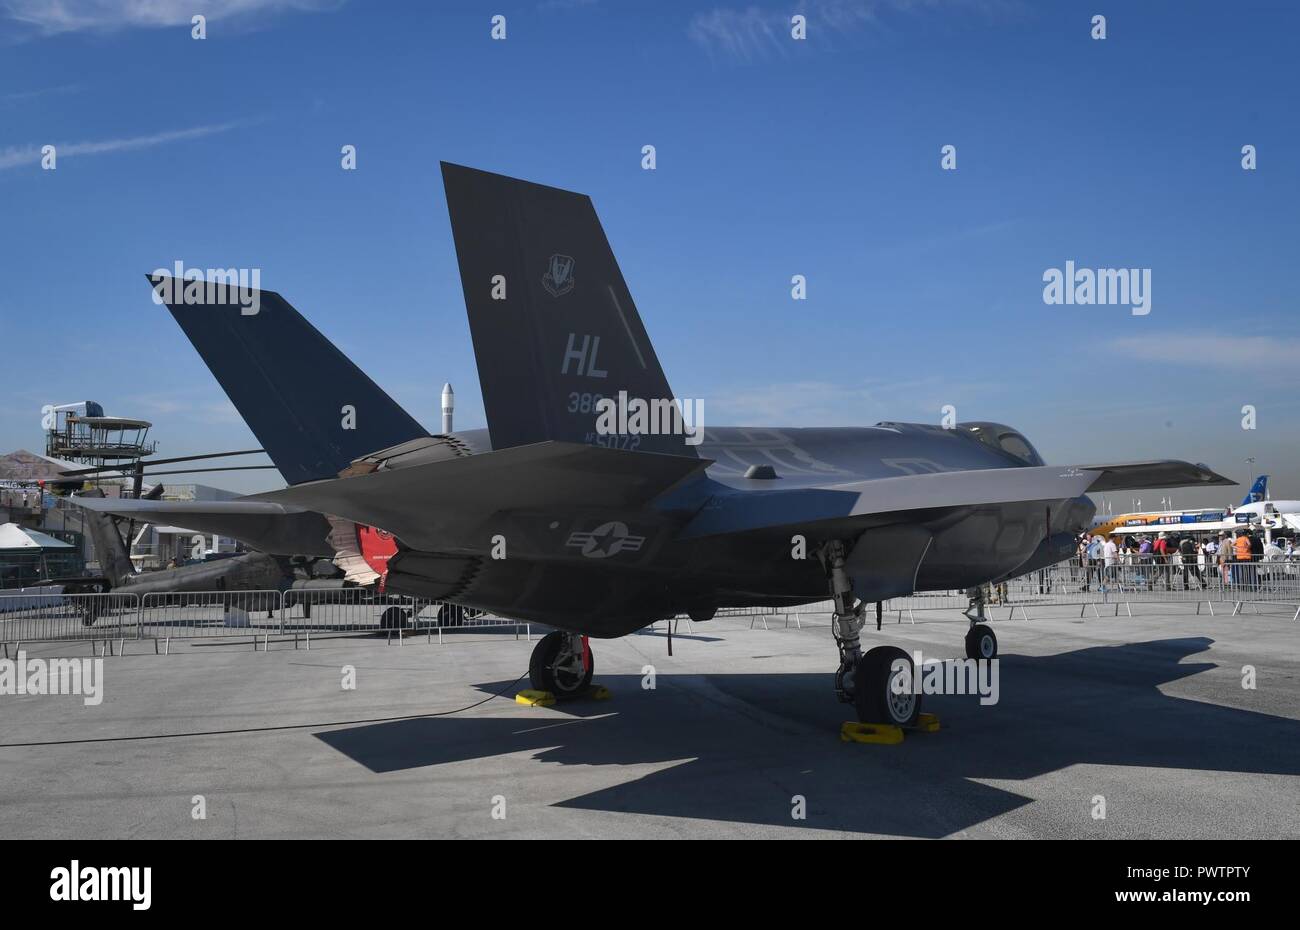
[738, 747]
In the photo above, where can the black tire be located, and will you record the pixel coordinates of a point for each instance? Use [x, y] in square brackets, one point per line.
[543, 675]
[90, 612]
[981, 643]
[394, 618]
[872, 694]
[451, 615]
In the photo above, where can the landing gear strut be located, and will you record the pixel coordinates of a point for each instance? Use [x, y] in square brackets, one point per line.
[870, 682]
[980, 641]
[561, 664]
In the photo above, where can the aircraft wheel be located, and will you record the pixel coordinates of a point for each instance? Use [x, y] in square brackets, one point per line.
[555, 668]
[394, 618]
[89, 613]
[873, 691]
[981, 643]
[451, 615]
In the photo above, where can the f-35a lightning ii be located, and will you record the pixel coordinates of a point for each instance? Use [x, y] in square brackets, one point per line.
[545, 516]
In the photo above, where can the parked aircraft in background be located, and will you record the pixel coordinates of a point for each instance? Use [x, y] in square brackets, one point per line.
[1189, 520]
[1278, 516]
[211, 580]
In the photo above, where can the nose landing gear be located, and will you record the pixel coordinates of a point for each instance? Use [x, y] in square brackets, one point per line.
[878, 684]
[980, 641]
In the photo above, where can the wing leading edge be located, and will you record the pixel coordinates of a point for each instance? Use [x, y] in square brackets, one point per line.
[876, 501]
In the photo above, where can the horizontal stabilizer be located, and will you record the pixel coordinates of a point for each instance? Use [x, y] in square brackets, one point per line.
[273, 528]
[312, 409]
[439, 506]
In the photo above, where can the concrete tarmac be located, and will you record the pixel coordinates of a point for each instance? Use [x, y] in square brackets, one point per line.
[1144, 719]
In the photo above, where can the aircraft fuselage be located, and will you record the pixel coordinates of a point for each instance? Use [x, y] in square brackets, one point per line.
[607, 573]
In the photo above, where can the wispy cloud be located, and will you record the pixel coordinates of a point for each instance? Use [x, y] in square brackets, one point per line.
[1212, 350]
[755, 33]
[23, 96]
[740, 35]
[52, 17]
[192, 406]
[16, 156]
[549, 6]
[945, 240]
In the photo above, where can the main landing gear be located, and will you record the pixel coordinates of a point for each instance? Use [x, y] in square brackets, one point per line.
[562, 665]
[879, 683]
[980, 641]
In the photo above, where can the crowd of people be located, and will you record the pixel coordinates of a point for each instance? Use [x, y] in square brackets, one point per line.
[1165, 557]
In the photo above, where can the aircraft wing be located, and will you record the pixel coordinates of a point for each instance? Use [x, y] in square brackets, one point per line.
[439, 506]
[273, 528]
[877, 501]
[862, 504]
[445, 505]
[1170, 473]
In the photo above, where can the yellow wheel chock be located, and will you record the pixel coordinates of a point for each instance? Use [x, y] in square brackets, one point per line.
[853, 732]
[535, 698]
[882, 733]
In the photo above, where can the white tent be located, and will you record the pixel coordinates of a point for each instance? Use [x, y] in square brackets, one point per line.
[13, 536]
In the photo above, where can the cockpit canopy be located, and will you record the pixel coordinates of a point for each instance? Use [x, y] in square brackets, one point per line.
[1003, 438]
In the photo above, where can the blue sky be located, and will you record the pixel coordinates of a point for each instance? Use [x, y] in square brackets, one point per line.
[775, 158]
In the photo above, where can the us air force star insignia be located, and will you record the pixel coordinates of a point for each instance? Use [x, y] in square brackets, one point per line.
[605, 540]
[558, 279]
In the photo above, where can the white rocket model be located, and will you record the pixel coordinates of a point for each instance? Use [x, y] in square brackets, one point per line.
[448, 406]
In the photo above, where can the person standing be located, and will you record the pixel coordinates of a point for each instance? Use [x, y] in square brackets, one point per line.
[1092, 558]
[1225, 559]
[1161, 551]
[1110, 556]
[1142, 558]
[1256, 538]
[1187, 554]
[1272, 553]
[1241, 558]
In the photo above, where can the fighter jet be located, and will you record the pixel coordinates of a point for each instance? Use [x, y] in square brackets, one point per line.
[591, 503]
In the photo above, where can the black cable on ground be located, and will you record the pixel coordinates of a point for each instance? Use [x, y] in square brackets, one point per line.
[286, 726]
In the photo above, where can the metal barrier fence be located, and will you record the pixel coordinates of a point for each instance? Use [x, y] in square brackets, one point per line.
[1093, 588]
[209, 613]
[1121, 586]
[303, 614]
[68, 617]
[256, 616]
